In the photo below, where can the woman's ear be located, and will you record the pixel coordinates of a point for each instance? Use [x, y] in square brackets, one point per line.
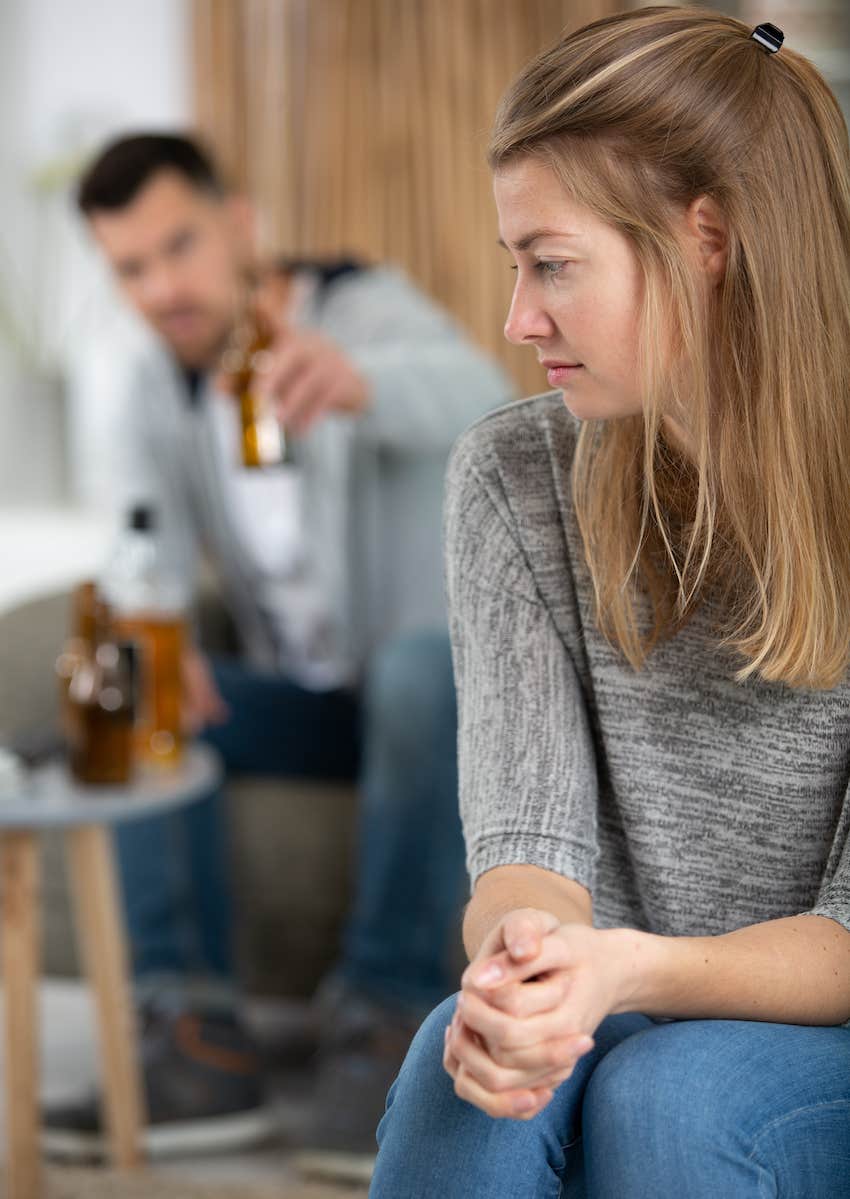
[708, 234]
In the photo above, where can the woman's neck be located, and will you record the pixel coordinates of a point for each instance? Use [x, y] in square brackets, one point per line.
[677, 438]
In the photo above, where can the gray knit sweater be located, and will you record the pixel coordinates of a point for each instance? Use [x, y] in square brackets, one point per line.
[688, 804]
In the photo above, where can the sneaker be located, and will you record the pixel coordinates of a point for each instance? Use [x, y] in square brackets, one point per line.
[359, 1058]
[203, 1085]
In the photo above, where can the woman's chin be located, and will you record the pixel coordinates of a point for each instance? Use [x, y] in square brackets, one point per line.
[585, 408]
[581, 408]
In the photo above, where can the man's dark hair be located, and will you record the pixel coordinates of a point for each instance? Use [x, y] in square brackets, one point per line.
[124, 167]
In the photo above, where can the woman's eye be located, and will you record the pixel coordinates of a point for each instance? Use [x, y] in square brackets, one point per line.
[552, 269]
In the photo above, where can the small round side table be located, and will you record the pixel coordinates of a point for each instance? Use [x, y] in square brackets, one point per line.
[50, 798]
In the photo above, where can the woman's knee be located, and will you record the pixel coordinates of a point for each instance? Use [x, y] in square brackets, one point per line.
[422, 1078]
[666, 1076]
[431, 1142]
[697, 1100]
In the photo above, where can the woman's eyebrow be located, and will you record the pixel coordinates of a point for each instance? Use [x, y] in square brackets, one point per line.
[526, 242]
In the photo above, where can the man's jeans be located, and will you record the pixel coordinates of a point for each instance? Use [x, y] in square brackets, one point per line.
[692, 1109]
[398, 735]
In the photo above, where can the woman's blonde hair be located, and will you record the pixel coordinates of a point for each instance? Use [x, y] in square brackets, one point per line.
[639, 114]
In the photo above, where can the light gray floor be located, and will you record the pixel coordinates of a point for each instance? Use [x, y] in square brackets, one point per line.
[69, 1061]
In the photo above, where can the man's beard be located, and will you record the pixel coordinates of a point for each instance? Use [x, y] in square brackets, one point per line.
[201, 353]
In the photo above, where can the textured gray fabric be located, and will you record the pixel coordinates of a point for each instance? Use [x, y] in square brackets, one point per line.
[687, 803]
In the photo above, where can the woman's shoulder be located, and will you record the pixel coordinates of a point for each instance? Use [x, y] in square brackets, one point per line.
[508, 484]
[519, 442]
[507, 487]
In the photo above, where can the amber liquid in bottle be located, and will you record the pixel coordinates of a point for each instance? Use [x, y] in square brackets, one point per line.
[148, 602]
[264, 442]
[159, 641]
[78, 646]
[100, 697]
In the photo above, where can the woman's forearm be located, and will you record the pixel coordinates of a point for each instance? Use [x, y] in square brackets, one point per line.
[508, 888]
[791, 971]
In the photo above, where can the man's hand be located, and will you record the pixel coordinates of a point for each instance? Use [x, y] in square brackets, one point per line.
[307, 376]
[303, 374]
[202, 703]
[529, 1005]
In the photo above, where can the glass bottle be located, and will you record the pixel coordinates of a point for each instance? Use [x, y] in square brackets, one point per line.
[78, 646]
[264, 440]
[101, 709]
[148, 610]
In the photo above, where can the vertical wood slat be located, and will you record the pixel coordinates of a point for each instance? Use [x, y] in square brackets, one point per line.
[220, 106]
[360, 126]
[292, 62]
[260, 90]
[368, 87]
[417, 139]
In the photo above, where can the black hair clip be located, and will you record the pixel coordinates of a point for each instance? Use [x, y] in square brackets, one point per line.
[769, 36]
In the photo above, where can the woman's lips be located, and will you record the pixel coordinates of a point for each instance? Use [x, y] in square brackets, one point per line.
[559, 373]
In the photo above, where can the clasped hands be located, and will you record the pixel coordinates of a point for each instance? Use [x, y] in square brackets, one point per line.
[529, 1005]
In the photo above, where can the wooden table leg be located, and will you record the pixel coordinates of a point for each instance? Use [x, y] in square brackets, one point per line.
[100, 925]
[20, 952]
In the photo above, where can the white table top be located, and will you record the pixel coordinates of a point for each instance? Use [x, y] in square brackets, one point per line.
[53, 799]
[49, 549]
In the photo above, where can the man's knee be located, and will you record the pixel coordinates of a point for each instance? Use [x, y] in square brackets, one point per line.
[410, 686]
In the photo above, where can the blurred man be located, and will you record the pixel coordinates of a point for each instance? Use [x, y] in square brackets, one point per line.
[331, 570]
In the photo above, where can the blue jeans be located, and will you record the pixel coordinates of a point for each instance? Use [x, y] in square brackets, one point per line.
[691, 1109]
[398, 736]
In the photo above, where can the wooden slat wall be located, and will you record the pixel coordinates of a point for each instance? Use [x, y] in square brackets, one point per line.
[360, 126]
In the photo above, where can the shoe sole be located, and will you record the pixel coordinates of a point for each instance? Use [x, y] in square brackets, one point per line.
[335, 1167]
[222, 1133]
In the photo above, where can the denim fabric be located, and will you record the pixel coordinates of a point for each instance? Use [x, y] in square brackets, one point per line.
[410, 878]
[695, 1109]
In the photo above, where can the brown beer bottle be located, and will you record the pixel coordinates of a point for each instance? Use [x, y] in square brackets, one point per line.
[264, 440]
[100, 709]
[148, 610]
[78, 646]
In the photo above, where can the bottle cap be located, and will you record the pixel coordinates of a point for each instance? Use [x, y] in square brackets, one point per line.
[141, 517]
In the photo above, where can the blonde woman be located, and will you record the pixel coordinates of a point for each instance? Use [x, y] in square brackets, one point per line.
[649, 578]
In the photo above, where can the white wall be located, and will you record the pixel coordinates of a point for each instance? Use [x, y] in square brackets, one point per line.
[110, 62]
[72, 74]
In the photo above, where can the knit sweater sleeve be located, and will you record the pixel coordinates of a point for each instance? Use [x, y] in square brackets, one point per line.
[528, 787]
[834, 895]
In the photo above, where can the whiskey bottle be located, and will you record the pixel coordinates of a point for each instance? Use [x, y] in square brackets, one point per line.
[148, 605]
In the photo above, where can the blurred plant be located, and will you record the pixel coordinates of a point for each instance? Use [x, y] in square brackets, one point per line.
[25, 326]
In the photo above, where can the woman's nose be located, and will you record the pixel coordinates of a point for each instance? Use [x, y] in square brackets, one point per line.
[527, 320]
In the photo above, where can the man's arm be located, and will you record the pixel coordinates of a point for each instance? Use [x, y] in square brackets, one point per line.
[385, 356]
[795, 970]
[427, 379]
